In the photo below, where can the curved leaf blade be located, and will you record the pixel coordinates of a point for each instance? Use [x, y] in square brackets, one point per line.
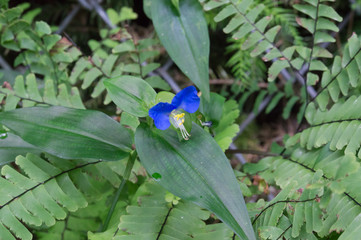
[196, 170]
[131, 94]
[184, 33]
[12, 146]
[70, 133]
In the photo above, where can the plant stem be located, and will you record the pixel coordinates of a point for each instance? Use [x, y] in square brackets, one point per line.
[126, 175]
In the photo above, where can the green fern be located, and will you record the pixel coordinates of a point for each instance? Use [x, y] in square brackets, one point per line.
[112, 59]
[315, 191]
[77, 224]
[26, 93]
[151, 216]
[343, 76]
[247, 70]
[244, 23]
[45, 191]
[43, 53]
[252, 69]
[248, 22]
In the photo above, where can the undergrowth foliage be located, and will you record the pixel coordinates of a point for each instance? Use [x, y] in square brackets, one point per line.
[317, 170]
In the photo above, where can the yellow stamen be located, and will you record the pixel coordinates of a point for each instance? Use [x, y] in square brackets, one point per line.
[177, 120]
[178, 116]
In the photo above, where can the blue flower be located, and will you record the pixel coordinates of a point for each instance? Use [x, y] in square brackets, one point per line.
[164, 113]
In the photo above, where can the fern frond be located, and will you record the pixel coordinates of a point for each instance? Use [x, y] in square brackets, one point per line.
[77, 224]
[286, 18]
[324, 196]
[320, 19]
[343, 76]
[26, 93]
[244, 68]
[252, 69]
[43, 53]
[276, 95]
[260, 36]
[338, 127]
[150, 216]
[44, 191]
[112, 59]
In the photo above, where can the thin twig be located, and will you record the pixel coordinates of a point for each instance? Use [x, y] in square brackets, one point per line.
[4, 64]
[252, 116]
[85, 4]
[254, 152]
[238, 156]
[68, 19]
[100, 11]
[163, 72]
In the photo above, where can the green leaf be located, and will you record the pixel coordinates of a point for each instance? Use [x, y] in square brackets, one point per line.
[269, 232]
[127, 13]
[113, 16]
[183, 169]
[70, 133]
[131, 94]
[146, 8]
[42, 28]
[90, 77]
[353, 231]
[212, 109]
[164, 97]
[185, 38]
[129, 120]
[158, 82]
[18, 26]
[276, 68]
[12, 146]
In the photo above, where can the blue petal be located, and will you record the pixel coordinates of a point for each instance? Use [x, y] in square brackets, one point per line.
[187, 99]
[160, 114]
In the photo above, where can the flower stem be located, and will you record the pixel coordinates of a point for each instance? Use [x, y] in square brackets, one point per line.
[126, 175]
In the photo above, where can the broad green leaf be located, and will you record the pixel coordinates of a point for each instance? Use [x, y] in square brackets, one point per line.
[183, 168]
[212, 109]
[146, 8]
[158, 82]
[131, 94]
[11, 146]
[164, 97]
[129, 120]
[70, 133]
[185, 38]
